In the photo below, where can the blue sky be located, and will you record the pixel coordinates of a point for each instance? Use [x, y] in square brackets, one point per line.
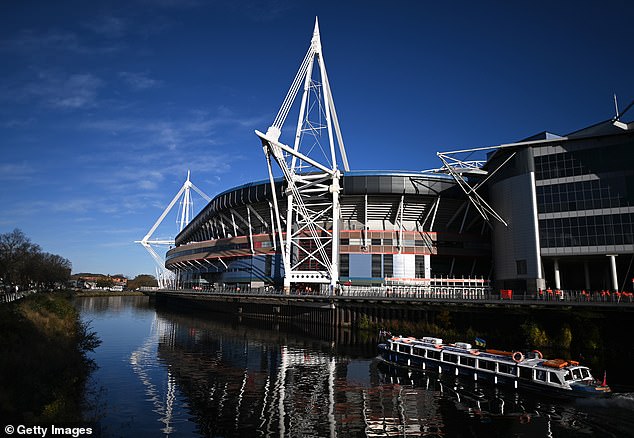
[106, 105]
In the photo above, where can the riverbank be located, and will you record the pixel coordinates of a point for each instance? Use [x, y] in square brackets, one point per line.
[106, 293]
[43, 366]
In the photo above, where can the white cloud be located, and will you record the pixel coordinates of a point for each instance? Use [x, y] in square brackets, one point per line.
[30, 43]
[139, 81]
[16, 172]
[109, 26]
[66, 92]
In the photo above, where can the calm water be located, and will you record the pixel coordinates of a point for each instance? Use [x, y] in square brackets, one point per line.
[166, 372]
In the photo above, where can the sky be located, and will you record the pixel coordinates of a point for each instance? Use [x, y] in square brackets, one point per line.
[105, 105]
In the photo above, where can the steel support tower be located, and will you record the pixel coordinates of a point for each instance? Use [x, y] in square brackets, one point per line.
[312, 175]
[165, 277]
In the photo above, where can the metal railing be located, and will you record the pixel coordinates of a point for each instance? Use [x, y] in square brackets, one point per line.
[476, 294]
[14, 296]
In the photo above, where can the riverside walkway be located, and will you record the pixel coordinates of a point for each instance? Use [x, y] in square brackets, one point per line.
[376, 295]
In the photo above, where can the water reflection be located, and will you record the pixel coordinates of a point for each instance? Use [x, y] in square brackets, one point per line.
[178, 373]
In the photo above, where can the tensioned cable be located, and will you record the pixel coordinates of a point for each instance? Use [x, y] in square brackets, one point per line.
[292, 92]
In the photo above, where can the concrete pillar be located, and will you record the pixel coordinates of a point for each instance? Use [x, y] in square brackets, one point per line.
[586, 271]
[557, 278]
[615, 280]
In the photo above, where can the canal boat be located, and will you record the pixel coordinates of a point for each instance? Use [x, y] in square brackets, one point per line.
[516, 369]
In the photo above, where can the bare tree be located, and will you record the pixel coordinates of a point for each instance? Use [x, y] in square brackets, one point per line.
[22, 263]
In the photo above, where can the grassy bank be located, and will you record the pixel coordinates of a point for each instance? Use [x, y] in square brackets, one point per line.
[43, 365]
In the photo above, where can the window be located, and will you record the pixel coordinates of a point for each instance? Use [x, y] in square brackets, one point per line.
[419, 351]
[526, 373]
[448, 357]
[521, 267]
[268, 263]
[376, 241]
[468, 361]
[344, 241]
[405, 348]
[388, 265]
[486, 365]
[554, 378]
[506, 368]
[419, 266]
[432, 354]
[376, 265]
[344, 265]
[540, 375]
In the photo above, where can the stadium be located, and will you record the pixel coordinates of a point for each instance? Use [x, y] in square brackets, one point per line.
[393, 226]
[548, 212]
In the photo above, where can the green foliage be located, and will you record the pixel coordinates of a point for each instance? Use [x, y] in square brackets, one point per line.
[143, 280]
[564, 337]
[364, 322]
[444, 319]
[105, 282]
[535, 335]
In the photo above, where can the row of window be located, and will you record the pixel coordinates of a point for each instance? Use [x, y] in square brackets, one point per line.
[483, 364]
[558, 166]
[386, 242]
[617, 229]
[581, 195]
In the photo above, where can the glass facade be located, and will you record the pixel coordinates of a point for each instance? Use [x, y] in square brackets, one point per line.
[585, 195]
[614, 229]
[581, 195]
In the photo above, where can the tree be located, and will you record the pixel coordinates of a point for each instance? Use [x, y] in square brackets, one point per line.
[48, 270]
[105, 282]
[15, 251]
[23, 263]
[143, 280]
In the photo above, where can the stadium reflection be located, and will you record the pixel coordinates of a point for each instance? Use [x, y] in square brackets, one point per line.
[240, 379]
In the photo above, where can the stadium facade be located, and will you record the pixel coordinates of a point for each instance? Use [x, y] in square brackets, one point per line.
[394, 226]
[547, 212]
[568, 204]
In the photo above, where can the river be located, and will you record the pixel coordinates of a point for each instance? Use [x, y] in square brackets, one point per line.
[178, 373]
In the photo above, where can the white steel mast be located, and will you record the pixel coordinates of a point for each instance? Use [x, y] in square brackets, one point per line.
[164, 275]
[310, 246]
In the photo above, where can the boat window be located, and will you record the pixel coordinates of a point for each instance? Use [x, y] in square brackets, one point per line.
[433, 354]
[450, 358]
[576, 374]
[554, 378]
[526, 373]
[567, 376]
[506, 368]
[540, 375]
[486, 365]
[419, 351]
[468, 361]
[585, 373]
